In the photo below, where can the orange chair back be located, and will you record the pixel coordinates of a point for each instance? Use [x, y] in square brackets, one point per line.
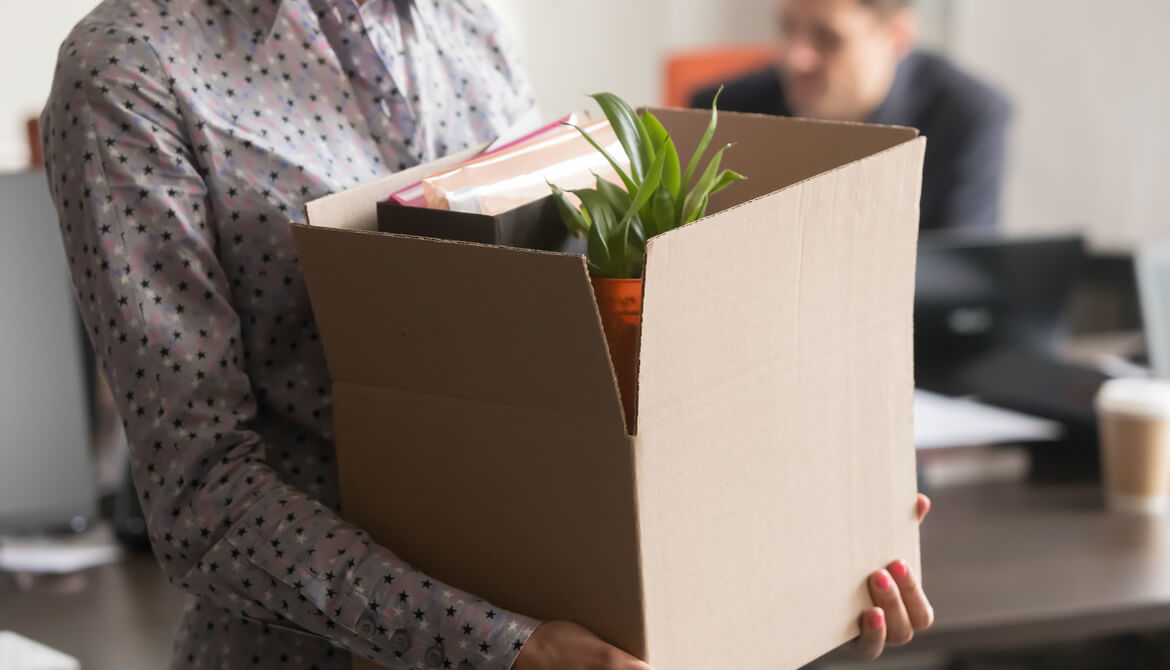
[689, 72]
[36, 158]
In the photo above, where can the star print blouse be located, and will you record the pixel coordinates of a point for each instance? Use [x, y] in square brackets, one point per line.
[181, 138]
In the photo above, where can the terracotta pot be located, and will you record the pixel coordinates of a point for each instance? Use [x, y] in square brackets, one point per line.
[620, 304]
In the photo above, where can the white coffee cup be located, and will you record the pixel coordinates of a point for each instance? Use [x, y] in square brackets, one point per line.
[1134, 419]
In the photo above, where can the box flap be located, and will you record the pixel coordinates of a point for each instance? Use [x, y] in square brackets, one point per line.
[777, 152]
[803, 408]
[477, 322]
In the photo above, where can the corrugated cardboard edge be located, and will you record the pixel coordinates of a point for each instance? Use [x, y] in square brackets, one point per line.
[912, 151]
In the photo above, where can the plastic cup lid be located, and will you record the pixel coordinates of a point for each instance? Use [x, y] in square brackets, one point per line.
[1142, 396]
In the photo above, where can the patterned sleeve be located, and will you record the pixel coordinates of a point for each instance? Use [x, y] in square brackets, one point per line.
[141, 242]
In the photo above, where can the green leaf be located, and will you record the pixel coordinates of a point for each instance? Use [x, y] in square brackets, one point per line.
[702, 210]
[702, 148]
[648, 187]
[627, 244]
[630, 132]
[599, 262]
[618, 198]
[671, 172]
[654, 128]
[603, 232]
[630, 185]
[702, 189]
[598, 208]
[574, 220]
[669, 188]
[663, 216]
[725, 179]
[638, 232]
[620, 201]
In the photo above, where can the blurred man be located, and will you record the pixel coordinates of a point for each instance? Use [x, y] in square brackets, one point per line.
[852, 60]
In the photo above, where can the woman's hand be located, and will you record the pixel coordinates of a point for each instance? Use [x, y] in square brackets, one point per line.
[900, 605]
[558, 645]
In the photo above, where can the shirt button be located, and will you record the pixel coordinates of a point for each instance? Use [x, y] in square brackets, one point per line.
[400, 642]
[365, 628]
[434, 657]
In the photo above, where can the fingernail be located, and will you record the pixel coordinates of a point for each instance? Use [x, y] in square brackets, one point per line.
[900, 570]
[882, 581]
[877, 619]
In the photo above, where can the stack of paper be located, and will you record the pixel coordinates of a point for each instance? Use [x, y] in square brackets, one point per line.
[941, 422]
[21, 653]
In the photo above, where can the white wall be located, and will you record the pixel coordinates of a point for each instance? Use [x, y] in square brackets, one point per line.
[573, 48]
[1091, 141]
[29, 36]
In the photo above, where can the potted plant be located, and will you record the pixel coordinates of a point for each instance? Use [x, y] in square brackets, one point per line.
[659, 196]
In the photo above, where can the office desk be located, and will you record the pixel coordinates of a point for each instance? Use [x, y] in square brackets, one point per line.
[1009, 566]
[1006, 565]
[122, 619]
[1014, 564]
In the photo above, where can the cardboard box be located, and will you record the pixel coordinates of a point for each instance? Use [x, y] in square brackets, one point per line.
[481, 437]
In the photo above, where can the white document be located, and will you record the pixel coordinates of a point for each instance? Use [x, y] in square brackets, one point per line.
[21, 653]
[942, 422]
[57, 556]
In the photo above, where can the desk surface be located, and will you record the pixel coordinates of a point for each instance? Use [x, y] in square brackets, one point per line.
[122, 618]
[1006, 565]
[1015, 564]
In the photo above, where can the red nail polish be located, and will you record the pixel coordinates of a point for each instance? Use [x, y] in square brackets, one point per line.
[900, 570]
[877, 619]
[882, 581]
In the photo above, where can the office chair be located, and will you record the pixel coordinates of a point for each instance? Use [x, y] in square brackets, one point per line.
[688, 72]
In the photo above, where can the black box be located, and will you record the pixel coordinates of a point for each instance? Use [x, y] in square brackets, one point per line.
[536, 225]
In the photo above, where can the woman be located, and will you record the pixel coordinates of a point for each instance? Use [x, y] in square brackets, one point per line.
[181, 137]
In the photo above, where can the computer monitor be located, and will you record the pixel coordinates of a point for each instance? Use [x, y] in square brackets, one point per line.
[47, 479]
[975, 296]
[1153, 277]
